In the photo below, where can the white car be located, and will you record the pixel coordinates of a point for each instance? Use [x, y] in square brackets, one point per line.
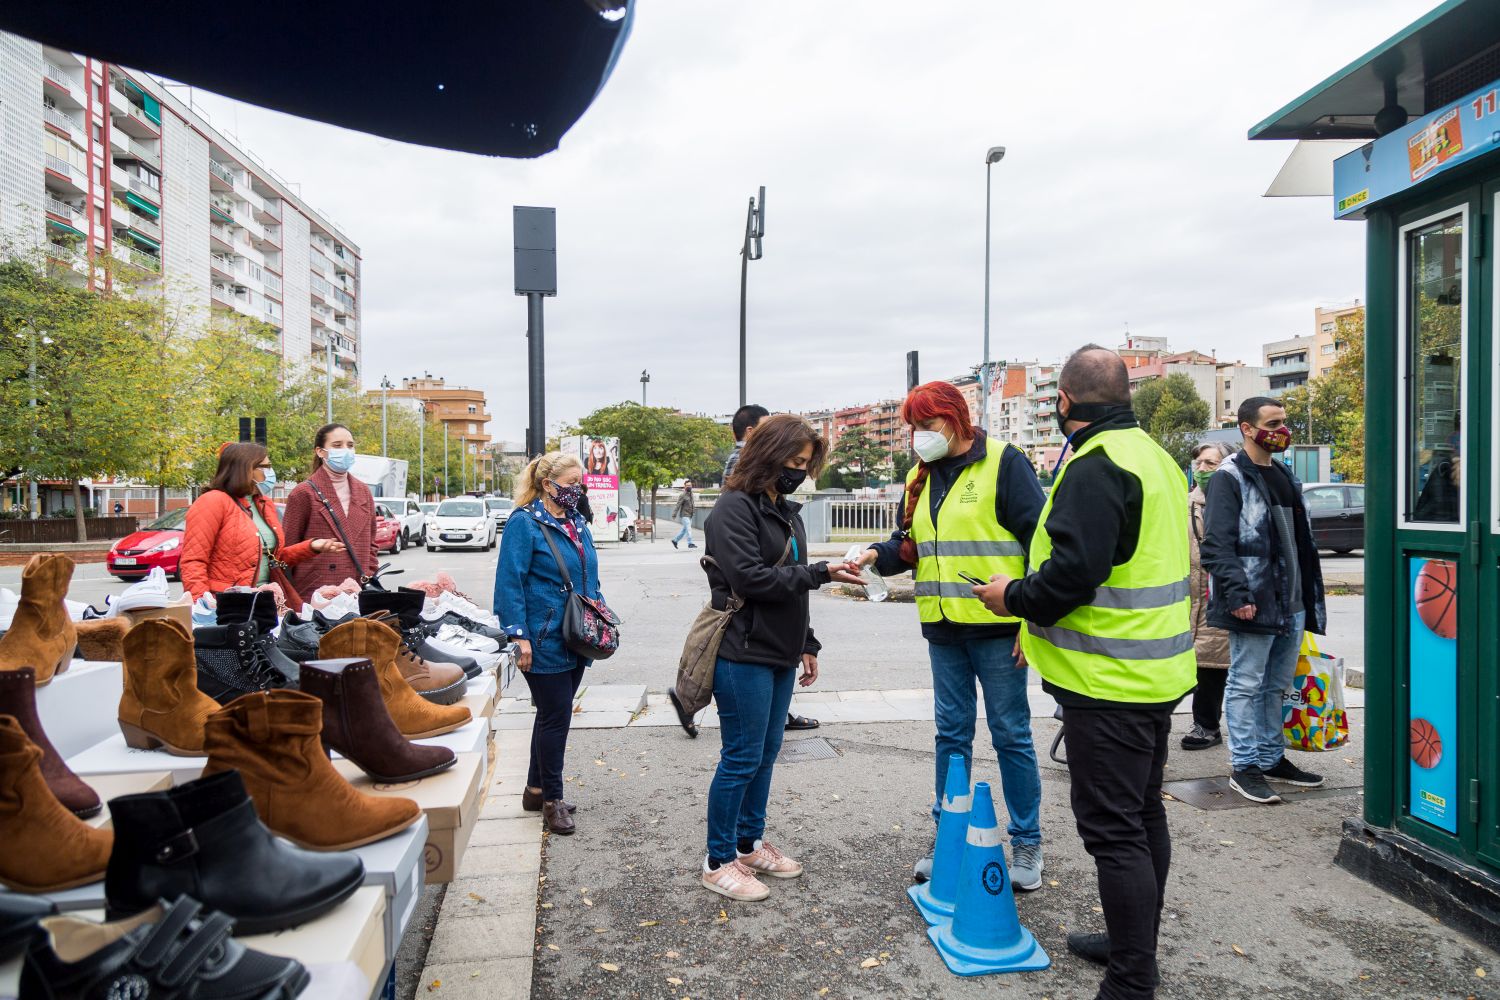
[626, 520]
[499, 508]
[461, 523]
[409, 513]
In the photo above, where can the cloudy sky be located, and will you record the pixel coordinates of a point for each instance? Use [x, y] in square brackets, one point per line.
[1128, 194]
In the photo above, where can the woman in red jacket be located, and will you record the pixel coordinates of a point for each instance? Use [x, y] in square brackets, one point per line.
[328, 500]
[232, 531]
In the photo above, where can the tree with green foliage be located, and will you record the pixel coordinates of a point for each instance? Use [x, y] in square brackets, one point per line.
[1171, 411]
[1330, 409]
[858, 453]
[658, 444]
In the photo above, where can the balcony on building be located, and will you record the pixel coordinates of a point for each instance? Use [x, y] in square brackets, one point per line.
[64, 122]
[122, 146]
[58, 82]
[321, 290]
[220, 237]
[63, 176]
[141, 223]
[137, 258]
[220, 177]
[136, 113]
[65, 211]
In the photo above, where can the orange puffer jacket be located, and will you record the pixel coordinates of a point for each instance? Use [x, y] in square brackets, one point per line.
[221, 546]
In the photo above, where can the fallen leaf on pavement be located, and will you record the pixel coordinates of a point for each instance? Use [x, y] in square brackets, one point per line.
[648, 923]
[546, 906]
[1053, 883]
[838, 798]
[587, 901]
[436, 984]
[869, 963]
[823, 992]
[1226, 843]
[475, 895]
[1479, 972]
[674, 980]
[475, 974]
[672, 954]
[609, 967]
[553, 947]
[1237, 949]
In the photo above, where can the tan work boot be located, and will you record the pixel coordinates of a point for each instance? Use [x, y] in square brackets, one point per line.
[366, 638]
[47, 848]
[41, 635]
[161, 706]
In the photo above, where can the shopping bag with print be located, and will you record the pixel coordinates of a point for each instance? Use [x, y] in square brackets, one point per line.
[1313, 712]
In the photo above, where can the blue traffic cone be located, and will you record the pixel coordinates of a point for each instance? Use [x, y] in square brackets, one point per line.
[934, 898]
[985, 934]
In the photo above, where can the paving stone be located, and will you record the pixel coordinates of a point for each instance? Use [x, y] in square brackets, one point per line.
[629, 698]
[602, 720]
[475, 939]
[512, 721]
[498, 979]
[502, 859]
[502, 807]
[489, 896]
[847, 696]
[512, 830]
[802, 698]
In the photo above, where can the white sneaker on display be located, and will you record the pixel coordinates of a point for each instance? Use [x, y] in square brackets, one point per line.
[457, 635]
[204, 613]
[486, 661]
[152, 592]
[449, 601]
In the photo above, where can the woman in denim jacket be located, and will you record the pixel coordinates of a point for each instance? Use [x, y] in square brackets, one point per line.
[529, 601]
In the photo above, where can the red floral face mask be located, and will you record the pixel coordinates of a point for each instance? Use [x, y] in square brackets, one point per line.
[1274, 441]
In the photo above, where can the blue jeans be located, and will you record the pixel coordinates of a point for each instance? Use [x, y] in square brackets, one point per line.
[992, 662]
[686, 532]
[1261, 667]
[753, 700]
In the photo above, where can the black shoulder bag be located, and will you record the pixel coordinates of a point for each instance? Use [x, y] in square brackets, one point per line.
[589, 627]
[338, 525]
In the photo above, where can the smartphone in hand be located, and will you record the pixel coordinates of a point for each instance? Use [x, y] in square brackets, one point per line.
[970, 578]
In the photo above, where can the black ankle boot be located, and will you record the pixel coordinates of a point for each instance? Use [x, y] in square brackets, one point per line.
[204, 839]
[406, 606]
[258, 607]
[234, 660]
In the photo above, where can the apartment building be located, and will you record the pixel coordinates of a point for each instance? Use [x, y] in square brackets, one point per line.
[1008, 402]
[1237, 383]
[97, 160]
[461, 411]
[1288, 362]
[1327, 344]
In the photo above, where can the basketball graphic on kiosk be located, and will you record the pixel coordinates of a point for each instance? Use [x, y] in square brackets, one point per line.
[1437, 597]
[1426, 745]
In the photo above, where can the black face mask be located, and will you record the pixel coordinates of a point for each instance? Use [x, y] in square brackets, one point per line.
[789, 480]
[1086, 412]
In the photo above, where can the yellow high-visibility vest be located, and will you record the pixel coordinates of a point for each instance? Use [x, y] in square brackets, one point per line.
[968, 538]
[1133, 642]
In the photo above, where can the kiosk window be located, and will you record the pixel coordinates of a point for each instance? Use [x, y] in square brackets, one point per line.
[1434, 367]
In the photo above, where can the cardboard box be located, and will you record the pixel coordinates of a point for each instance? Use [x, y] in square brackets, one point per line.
[112, 756]
[397, 865]
[81, 706]
[354, 931]
[451, 801]
[109, 786]
[480, 696]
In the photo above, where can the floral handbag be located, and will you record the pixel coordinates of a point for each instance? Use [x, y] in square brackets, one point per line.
[589, 627]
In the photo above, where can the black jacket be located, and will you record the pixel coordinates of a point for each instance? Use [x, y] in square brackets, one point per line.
[746, 535]
[1018, 504]
[1243, 557]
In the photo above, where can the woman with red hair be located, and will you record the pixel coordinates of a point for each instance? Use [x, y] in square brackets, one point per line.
[971, 505]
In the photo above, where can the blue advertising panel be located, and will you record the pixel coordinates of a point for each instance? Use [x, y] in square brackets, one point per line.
[1433, 629]
[1454, 134]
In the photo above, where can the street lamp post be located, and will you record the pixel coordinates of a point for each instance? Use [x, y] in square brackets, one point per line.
[422, 451]
[385, 389]
[328, 370]
[31, 497]
[994, 156]
[645, 377]
[755, 229]
[463, 463]
[445, 456]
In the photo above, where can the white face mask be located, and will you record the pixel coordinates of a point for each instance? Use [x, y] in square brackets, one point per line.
[929, 445]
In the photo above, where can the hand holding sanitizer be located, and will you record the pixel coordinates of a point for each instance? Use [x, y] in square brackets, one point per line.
[876, 589]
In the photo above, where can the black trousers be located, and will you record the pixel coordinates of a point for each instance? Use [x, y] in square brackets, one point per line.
[552, 694]
[1208, 698]
[1115, 758]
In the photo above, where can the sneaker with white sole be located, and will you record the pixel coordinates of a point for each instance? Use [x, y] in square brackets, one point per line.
[767, 860]
[461, 637]
[734, 881]
[1291, 774]
[1252, 784]
[449, 601]
[151, 592]
[1026, 867]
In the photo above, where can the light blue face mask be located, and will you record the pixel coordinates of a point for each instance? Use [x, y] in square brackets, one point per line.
[267, 484]
[340, 459]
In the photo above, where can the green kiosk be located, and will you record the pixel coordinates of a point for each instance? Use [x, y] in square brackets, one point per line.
[1426, 182]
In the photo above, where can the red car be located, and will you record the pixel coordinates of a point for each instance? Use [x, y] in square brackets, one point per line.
[387, 530]
[157, 544]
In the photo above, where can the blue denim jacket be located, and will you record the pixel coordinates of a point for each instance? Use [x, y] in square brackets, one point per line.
[529, 594]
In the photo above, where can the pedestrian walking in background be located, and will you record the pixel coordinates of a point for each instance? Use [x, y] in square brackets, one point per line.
[971, 506]
[1210, 644]
[1108, 628]
[683, 511]
[742, 423]
[232, 536]
[332, 503]
[757, 550]
[530, 600]
[1267, 587]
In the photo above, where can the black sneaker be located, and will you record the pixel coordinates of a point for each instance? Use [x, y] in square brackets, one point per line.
[1291, 774]
[1094, 947]
[1251, 783]
[1201, 739]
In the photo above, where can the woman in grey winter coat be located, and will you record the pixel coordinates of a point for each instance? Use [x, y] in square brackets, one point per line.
[1211, 644]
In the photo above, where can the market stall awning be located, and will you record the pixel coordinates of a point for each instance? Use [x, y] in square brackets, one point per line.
[1435, 60]
[505, 78]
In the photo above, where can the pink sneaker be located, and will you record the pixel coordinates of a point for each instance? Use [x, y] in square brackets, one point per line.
[767, 860]
[735, 881]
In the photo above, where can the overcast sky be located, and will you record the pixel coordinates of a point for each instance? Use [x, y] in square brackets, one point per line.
[1129, 194]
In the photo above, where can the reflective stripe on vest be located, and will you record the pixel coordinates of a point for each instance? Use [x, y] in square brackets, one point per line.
[966, 539]
[1133, 642]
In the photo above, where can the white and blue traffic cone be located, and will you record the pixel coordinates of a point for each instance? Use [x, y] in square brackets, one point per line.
[985, 934]
[934, 898]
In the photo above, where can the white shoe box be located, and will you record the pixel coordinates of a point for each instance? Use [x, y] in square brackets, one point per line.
[81, 705]
[354, 931]
[397, 865]
[112, 756]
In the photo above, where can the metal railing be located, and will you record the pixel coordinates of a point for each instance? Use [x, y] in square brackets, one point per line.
[222, 232]
[138, 258]
[143, 153]
[59, 207]
[62, 166]
[220, 171]
[320, 286]
[222, 294]
[858, 520]
[56, 117]
[144, 224]
[272, 281]
[141, 187]
[57, 74]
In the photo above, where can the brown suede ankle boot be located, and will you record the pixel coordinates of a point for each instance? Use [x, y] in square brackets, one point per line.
[272, 739]
[102, 639]
[357, 724]
[47, 848]
[415, 717]
[161, 706]
[42, 635]
[18, 699]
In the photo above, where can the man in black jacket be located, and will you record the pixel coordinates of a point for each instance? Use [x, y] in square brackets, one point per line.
[1267, 586]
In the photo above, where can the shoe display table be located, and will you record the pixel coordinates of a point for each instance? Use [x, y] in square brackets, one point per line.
[81, 705]
[451, 801]
[354, 931]
[479, 697]
[112, 756]
[397, 865]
